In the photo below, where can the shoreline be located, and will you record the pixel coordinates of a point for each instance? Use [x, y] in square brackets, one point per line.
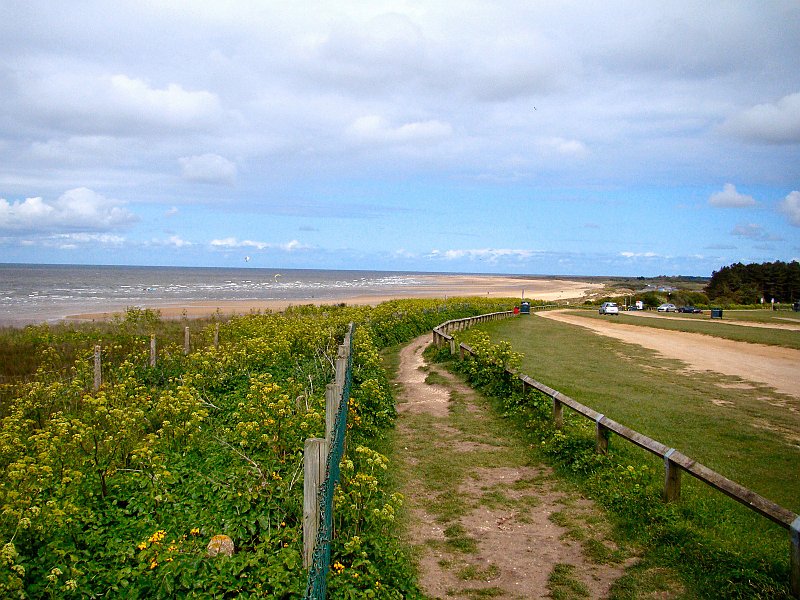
[434, 286]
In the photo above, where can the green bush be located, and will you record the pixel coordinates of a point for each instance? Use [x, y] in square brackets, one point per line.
[116, 492]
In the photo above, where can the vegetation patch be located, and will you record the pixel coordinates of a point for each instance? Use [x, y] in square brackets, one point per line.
[564, 585]
[723, 549]
[117, 490]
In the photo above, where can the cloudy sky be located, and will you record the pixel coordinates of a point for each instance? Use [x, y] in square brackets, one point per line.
[607, 138]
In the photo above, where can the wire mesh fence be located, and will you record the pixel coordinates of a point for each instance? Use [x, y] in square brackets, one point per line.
[317, 584]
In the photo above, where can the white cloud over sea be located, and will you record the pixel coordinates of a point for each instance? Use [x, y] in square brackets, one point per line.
[730, 198]
[376, 132]
[76, 209]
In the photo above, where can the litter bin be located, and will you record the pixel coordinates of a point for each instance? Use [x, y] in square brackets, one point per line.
[525, 308]
[516, 310]
[716, 313]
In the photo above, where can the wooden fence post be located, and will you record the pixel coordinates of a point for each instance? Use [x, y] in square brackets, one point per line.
[153, 350]
[186, 341]
[315, 455]
[794, 561]
[341, 371]
[333, 395]
[601, 444]
[98, 371]
[672, 478]
[558, 413]
[216, 336]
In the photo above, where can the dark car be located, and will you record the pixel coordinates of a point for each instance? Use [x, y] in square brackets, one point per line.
[689, 309]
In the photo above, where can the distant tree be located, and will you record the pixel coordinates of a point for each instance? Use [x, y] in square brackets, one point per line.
[687, 297]
[747, 284]
[651, 299]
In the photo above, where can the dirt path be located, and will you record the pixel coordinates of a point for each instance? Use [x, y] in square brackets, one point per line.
[485, 521]
[771, 365]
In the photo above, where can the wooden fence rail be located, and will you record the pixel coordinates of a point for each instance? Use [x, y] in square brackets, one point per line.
[674, 461]
[98, 371]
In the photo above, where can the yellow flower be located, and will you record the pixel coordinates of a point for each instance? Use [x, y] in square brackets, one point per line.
[158, 536]
[153, 564]
[142, 545]
[195, 531]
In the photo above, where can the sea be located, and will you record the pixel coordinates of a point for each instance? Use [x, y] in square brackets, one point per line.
[32, 293]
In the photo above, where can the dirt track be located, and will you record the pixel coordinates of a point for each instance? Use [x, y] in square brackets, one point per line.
[771, 365]
[513, 510]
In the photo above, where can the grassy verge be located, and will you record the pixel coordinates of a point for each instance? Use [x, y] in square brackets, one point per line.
[746, 434]
[701, 324]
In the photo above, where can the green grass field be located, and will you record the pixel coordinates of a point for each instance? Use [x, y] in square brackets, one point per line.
[745, 432]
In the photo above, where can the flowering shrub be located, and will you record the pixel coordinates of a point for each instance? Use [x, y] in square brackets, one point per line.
[115, 492]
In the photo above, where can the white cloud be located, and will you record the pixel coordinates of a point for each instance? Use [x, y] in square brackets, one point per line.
[777, 123]
[76, 209]
[373, 128]
[490, 255]
[93, 103]
[177, 241]
[208, 168]
[729, 197]
[231, 243]
[639, 255]
[564, 147]
[753, 231]
[74, 241]
[790, 206]
[171, 212]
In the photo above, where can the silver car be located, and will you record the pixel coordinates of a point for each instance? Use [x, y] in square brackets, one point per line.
[609, 308]
[667, 308]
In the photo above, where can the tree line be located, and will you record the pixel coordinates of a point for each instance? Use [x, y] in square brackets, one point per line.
[747, 284]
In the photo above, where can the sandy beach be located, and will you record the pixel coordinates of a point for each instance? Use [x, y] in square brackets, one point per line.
[430, 286]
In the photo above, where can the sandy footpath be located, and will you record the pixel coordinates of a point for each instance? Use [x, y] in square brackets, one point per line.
[432, 286]
[774, 366]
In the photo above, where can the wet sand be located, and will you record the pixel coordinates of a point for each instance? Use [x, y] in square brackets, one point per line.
[432, 286]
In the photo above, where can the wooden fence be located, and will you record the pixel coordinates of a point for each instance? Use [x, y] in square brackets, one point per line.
[322, 460]
[98, 366]
[675, 462]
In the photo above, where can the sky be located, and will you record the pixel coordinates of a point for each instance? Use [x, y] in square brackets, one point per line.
[537, 137]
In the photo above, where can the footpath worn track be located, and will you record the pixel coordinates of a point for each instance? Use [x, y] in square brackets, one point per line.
[484, 519]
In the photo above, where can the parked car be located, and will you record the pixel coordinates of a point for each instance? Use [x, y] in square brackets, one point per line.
[796, 306]
[690, 310]
[667, 307]
[609, 308]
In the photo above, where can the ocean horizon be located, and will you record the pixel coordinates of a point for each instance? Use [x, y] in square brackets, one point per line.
[33, 293]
